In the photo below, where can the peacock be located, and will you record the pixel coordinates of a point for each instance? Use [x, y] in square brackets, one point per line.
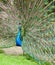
[18, 38]
[37, 32]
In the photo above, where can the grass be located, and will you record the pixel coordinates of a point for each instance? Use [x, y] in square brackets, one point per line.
[19, 60]
[1, 51]
[15, 60]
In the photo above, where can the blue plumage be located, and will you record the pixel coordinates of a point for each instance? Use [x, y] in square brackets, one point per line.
[18, 39]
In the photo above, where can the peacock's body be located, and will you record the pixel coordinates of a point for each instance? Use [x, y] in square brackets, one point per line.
[38, 27]
[18, 39]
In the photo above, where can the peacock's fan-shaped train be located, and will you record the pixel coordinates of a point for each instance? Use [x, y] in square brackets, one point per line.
[37, 34]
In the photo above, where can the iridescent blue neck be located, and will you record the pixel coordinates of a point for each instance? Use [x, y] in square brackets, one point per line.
[19, 28]
[19, 32]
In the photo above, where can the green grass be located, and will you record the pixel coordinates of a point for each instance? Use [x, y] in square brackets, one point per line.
[1, 51]
[19, 60]
[15, 60]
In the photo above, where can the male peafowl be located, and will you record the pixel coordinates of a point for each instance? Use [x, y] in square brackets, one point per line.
[18, 38]
[20, 35]
[37, 33]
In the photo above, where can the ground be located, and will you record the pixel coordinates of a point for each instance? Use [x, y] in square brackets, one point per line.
[15, 50]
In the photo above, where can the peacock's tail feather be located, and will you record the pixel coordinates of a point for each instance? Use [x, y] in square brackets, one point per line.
[39, 22]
